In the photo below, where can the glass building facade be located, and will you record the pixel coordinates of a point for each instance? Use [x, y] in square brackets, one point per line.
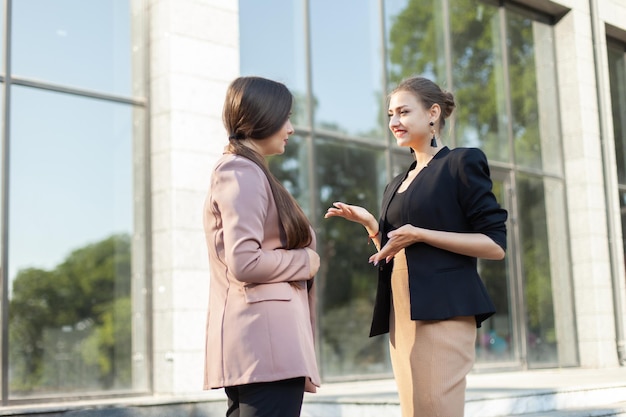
[74, 199]
[499, 61]
[111, 123]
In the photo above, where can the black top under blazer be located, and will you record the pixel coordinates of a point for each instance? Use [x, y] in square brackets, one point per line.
[453, 193]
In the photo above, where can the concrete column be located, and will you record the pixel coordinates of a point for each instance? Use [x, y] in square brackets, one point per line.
[194, 54]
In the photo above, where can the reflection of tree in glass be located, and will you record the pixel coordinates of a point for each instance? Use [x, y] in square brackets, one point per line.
[493, 273]
[70, 328]
[288, 169]
[536, 262]
[347, 281]
[523, 79]
[299, 114]
[415, 47]
[413, 41]
[477, 78]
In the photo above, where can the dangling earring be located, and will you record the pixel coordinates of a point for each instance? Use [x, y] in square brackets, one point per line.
[433, 141]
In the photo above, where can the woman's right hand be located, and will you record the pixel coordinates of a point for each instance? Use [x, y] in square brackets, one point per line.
[355, 214]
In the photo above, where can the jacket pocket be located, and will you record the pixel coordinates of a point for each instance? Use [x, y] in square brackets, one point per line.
[280, 291]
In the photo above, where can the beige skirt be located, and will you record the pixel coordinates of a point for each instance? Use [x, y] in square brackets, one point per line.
[430, 358]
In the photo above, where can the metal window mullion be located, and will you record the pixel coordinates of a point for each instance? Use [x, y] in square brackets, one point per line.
[4, 275]
[388, 140]
[519, 310]
[147, 205]
[447, 50]
[77, 91]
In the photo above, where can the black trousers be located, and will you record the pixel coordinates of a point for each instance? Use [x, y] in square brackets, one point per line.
[266, 399]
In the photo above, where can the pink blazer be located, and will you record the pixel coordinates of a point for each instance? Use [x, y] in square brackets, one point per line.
[261, 316]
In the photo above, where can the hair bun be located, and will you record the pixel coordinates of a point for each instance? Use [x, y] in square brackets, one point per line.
[450, 105]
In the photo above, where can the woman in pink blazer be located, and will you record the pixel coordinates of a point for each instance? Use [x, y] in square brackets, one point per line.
[261, 247]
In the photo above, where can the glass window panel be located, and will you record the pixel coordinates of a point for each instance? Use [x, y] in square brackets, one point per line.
[541, 336]
[415, 37]
[478, 78]
[347, 69]
[560, 272]
[76, 240]
[272, 45]
[291, 170]
[96, 44]
[346, 281]
[523, 72]
[496, 341]
[617, 74]
[546, 97]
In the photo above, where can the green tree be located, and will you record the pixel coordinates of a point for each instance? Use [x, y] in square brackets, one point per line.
[73, 321]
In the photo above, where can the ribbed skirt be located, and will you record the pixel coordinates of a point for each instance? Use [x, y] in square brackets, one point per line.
[430, 358]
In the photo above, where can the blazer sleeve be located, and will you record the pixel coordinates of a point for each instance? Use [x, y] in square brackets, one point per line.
[482, 210]
[242, 195]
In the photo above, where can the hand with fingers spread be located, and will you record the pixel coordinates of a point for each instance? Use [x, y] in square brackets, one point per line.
[356, 214]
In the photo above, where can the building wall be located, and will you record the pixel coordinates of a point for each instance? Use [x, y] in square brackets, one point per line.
[585, 188]
[611, 17]
[590, 187]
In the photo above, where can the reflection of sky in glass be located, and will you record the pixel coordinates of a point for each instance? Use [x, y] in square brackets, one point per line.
[272, 44]
[70, 175]
[392, 9]
[70, 157]
[73, 42]
[347, 63]
[346, 55]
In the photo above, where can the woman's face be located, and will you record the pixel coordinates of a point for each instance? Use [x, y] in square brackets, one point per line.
[275, 144]
[408, 120]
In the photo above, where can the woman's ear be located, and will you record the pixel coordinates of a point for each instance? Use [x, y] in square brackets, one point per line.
[435, 111]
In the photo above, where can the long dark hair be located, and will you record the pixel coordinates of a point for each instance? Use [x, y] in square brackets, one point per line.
[255, 108]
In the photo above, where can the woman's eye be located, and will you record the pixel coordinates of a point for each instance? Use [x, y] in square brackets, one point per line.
[401, 112]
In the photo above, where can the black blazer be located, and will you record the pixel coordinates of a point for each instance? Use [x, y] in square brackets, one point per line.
[453, 193]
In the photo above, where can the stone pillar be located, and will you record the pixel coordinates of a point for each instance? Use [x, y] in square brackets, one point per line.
[194, 54]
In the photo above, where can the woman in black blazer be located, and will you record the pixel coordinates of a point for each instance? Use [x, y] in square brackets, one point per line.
[437, 218]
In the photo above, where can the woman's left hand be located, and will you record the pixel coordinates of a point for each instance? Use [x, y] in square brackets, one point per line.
[398, 239]
[309, 386]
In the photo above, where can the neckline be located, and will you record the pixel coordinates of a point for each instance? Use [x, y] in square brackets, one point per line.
[433, 157]
[414, 166]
